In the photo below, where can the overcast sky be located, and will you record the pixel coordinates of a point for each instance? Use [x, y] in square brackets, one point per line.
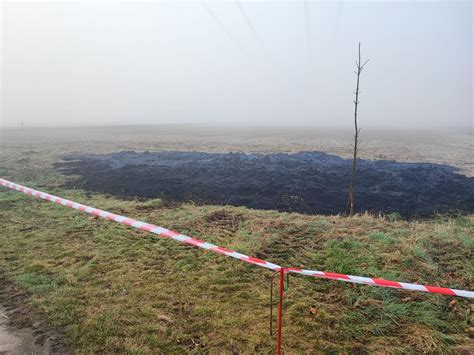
[259, 63]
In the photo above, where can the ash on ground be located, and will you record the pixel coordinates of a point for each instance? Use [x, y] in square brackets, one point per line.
[305, 182]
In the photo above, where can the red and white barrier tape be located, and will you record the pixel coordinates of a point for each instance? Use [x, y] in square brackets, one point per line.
[167, 233]
[382, 282]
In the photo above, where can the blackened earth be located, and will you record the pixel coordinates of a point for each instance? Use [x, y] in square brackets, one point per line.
[305, 182]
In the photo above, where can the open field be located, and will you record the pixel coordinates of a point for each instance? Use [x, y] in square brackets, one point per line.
[44, 145]
[108, 288]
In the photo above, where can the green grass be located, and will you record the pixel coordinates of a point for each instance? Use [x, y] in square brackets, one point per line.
[115, 289]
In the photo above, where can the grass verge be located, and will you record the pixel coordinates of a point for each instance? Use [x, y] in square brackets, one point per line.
[114, 289]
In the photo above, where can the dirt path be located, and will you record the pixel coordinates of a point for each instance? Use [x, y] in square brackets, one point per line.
[24, 330]
[18, 341]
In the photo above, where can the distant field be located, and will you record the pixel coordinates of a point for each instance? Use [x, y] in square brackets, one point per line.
[454, 148]
[111, 289]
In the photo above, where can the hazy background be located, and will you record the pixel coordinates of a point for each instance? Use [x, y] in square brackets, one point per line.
[259, 63]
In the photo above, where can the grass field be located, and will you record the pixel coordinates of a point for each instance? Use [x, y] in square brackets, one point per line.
[113, 289]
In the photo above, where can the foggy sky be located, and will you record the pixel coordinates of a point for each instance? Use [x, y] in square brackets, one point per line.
[252, 63]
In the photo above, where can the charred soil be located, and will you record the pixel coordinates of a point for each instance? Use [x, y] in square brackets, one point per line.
[305, 182]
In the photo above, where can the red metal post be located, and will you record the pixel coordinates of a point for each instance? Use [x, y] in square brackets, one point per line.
[280, 310]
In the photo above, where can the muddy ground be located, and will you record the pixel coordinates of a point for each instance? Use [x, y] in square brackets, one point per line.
[304, 182]
[23, 330]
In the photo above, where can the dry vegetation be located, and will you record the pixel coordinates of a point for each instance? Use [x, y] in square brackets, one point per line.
[111, 289]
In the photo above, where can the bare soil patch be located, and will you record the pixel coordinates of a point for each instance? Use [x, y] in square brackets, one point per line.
[23, 330]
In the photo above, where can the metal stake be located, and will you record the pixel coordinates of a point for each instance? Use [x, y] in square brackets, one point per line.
[280, 310]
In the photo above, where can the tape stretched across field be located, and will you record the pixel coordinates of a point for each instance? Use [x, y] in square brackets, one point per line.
[166, 233]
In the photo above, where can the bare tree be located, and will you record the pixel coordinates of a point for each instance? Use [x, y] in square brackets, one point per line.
[350, 202]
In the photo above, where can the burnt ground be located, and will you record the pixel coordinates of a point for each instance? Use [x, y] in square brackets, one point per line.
[305, 182]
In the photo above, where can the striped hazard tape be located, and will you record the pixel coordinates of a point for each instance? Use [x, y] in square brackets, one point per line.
[167, 233]
[382, 282]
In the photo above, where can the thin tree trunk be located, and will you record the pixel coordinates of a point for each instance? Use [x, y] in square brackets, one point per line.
[350, 202]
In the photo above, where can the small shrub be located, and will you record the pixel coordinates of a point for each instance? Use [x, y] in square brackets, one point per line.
[393, 216]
